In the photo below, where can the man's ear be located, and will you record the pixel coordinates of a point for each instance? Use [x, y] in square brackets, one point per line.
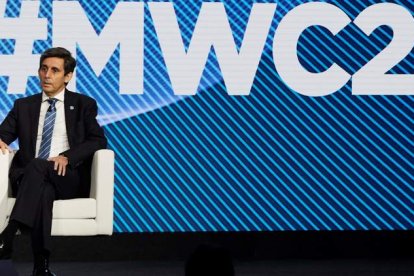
[68, 77]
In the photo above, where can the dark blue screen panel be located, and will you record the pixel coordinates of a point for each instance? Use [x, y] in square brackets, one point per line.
[275, 159]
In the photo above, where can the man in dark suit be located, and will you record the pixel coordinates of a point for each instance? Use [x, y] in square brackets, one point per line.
[58, 135]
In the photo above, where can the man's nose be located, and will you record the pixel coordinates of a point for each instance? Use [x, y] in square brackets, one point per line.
[47, 73]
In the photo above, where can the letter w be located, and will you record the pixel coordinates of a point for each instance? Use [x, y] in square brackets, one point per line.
[212, 30]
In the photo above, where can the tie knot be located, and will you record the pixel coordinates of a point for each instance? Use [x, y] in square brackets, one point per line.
[52, 102]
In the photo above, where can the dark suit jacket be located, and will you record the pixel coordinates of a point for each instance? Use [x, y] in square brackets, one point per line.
[85, 136]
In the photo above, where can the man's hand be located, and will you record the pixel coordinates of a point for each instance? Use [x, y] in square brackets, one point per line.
[60, 164]
[4, 147]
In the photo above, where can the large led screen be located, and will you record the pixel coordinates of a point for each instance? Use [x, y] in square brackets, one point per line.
[237, 115]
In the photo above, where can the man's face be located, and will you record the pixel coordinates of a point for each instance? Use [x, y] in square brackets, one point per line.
[52, 76]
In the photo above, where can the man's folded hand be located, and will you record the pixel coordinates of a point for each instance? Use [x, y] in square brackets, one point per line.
[4, 147]
[60, 164]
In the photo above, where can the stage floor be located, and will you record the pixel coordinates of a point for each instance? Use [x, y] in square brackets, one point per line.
[291, 267]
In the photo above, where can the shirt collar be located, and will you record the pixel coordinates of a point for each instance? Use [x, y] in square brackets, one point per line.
[60, 96]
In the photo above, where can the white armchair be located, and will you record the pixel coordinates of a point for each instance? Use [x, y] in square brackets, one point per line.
[73, 217]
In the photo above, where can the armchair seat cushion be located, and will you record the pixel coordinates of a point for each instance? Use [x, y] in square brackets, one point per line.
[77, 208]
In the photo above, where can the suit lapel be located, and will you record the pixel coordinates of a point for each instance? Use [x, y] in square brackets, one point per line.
[34, 120]
[70, 114]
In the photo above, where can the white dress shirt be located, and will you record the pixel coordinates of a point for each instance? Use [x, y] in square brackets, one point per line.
[60, 141]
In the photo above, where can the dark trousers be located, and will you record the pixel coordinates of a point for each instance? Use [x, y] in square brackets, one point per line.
[37, 187]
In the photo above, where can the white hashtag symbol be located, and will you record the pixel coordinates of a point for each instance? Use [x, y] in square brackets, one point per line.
[24, 30]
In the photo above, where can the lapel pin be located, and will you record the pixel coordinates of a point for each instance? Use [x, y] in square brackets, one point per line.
[71, 107]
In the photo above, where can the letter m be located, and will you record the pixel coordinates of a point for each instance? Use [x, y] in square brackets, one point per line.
[72, 29]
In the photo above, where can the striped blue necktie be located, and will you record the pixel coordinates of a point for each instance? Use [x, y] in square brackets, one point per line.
[47, 133]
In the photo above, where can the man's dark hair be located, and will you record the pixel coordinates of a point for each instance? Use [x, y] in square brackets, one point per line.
[59, 52]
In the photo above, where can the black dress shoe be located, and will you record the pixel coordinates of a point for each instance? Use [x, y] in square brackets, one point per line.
[42, 268]
[5, 251]
[43, 272]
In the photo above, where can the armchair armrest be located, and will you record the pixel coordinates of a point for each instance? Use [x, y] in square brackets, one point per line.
[5, 161]
[102, 189]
